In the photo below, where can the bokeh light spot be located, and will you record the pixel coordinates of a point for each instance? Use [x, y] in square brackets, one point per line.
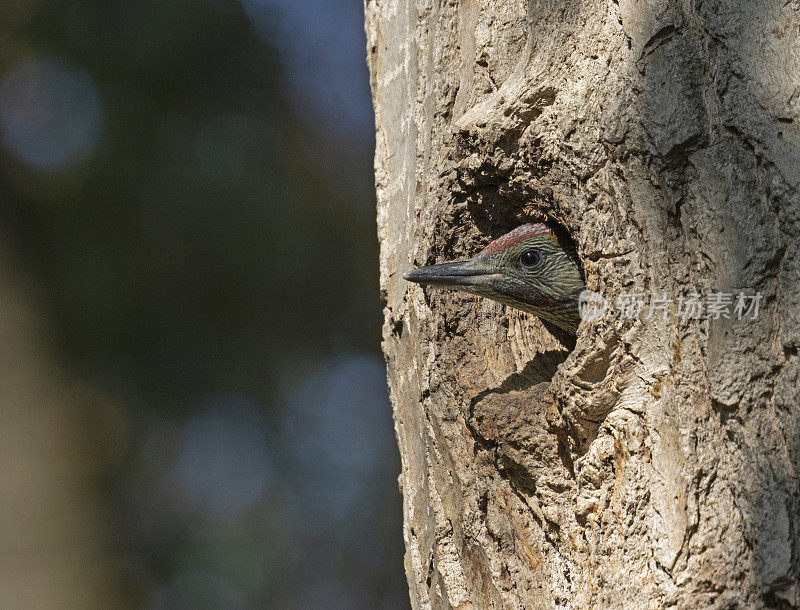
[337, 427]
[323, 48]
[50, 114]
[223, 464]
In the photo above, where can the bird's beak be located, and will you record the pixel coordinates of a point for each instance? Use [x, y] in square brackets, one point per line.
[462, 274]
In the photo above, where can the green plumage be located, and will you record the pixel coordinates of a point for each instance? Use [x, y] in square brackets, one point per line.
[528, 269]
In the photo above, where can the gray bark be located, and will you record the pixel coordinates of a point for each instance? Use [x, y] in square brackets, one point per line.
[656, 464]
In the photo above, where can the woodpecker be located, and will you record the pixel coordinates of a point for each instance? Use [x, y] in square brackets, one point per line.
[528, 268]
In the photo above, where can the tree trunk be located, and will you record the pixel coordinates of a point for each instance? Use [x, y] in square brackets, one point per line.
[656, 463]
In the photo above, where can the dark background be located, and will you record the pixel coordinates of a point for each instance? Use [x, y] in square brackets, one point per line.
[187, 189]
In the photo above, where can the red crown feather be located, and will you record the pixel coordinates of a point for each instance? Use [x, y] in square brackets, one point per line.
[517, 235]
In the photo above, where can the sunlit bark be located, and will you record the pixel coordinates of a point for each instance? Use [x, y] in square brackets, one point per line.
[656, 463]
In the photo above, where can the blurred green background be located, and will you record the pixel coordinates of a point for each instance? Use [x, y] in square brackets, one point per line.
[187, 206]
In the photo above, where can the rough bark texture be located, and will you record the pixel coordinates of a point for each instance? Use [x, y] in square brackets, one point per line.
[656, 464]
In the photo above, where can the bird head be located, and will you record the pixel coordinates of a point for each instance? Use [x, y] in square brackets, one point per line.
[528, 268]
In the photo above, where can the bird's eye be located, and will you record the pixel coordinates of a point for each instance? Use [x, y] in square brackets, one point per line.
[530, 258]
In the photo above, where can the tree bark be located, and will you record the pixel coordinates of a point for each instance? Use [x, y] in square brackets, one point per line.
[656, 463]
